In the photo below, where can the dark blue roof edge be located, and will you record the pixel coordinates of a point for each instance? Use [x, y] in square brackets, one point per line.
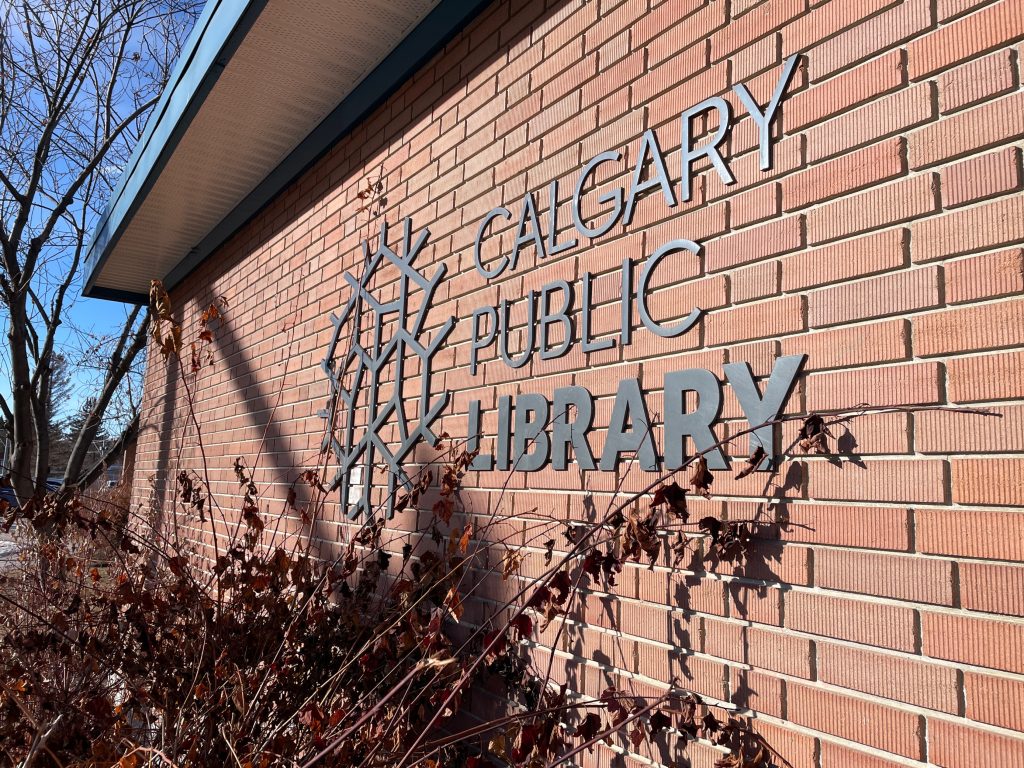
[426, 39]
[116, 294]
[217, 34]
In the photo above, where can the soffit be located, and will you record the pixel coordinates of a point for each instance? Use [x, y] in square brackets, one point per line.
[296, 63]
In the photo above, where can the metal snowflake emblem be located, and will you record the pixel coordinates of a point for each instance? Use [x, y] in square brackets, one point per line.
[375, 336]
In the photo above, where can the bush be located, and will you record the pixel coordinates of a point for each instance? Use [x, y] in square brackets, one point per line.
[207, 639]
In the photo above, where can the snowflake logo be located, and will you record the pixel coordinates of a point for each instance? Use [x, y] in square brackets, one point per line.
[383, 335]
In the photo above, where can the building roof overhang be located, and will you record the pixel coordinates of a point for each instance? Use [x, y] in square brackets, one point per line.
[262, 89]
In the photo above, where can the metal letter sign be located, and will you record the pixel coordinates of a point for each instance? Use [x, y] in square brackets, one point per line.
[368, 377]
[357, 374]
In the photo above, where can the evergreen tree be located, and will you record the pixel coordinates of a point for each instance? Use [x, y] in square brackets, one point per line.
[59, 395]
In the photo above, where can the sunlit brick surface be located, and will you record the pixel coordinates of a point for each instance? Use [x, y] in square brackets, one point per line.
[882, 624]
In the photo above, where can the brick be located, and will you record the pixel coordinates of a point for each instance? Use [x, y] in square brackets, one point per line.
[691, 90]
[755, 59]
[847, 173]
[614, 50]
[708, 676]
[757, 604]
[984, 642]
[754, 205]
[988, 276]
[755, 690]
[976, 81]
[952, 432]
[955, 744]
[553, 115]
[994, 699]
[612, 23]
[563, 61]
[988, 534]
[886, 30]
[753, 243]
[896, 293]
[797, 747]
[668, 74]
[949, 9]
[561, 25]
[696, 593]
[835, 755]
[521, 22]
[613, 79]
[901, 577]
[787, 155]
[859, 621]
[742, 6]
[889, 676]
[774, 317]
[725, 639]
[981, 177]
[891, 114]
[779, 652]
[827, 20]
[895, 480]
[753, 26]
[988, 481]
[754, 282]
[968, 329]
[662, 17]
[965, 38]
[893, 385]
[846, 90]
[857, 345]
[990, 124]
[986, 377]
[708, 293]
[864, 722]
[992, 588]
[889, 204]
[838, 525]
[775, 563]
[649, 621]
[979, 227]
[700, 225]
[761, 88]
[876, 252]
[697, 27]
[882, 434]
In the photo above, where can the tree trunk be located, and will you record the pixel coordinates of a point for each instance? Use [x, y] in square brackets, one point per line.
[25, 433]
[40, 416]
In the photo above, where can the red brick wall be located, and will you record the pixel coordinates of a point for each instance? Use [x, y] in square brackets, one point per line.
[883, 625]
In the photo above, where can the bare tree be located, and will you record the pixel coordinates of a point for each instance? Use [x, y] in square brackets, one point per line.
[77, 80]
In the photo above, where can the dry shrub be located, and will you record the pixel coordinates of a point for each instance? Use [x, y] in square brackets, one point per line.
[128, 643]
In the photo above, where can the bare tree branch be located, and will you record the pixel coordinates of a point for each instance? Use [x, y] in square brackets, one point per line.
[77, 79]
[117, 372]
[92, 474]
[88, 170]
[6, 410]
